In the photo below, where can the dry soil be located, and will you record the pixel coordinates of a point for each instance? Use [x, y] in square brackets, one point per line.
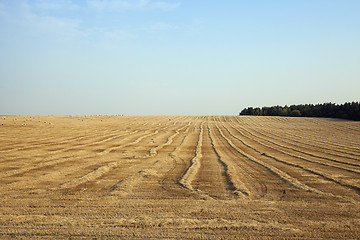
[179, 177]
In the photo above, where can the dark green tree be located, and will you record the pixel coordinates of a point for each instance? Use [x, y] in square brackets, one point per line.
[330, 110]
[295, 113]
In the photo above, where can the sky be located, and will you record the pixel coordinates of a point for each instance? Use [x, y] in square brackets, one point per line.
[193, 57]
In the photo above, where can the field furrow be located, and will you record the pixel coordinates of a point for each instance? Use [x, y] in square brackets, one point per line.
[327, 172]
[230, 174]
[324, 135]
[195, 164]
[179, 177]
[281, 174]
[349, 165]
[149, 171]
[322, 148]
[108, 166]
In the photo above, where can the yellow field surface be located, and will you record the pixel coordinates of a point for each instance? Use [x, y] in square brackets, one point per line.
[179, 177]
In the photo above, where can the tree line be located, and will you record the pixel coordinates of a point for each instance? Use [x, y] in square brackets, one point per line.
[329, 110]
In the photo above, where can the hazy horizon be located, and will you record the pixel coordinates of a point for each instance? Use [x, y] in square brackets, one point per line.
[142, 57]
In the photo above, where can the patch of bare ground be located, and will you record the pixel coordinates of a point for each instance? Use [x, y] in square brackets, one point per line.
[179, 177]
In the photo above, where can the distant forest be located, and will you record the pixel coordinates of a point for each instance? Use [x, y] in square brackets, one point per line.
[329, 110]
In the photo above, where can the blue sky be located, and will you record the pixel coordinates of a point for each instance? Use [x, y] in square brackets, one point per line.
[175, 57]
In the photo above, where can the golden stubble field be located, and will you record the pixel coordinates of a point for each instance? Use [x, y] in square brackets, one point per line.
[179, 177]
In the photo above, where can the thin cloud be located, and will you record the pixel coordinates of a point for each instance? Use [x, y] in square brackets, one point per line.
[113, 5]
[24, 17]
[122, 5]
[40, 20]
[54, 25]
[165, 6]
[55, 5]
[52, 19]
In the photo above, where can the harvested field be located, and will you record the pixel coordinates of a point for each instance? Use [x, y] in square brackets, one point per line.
[179, 177]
